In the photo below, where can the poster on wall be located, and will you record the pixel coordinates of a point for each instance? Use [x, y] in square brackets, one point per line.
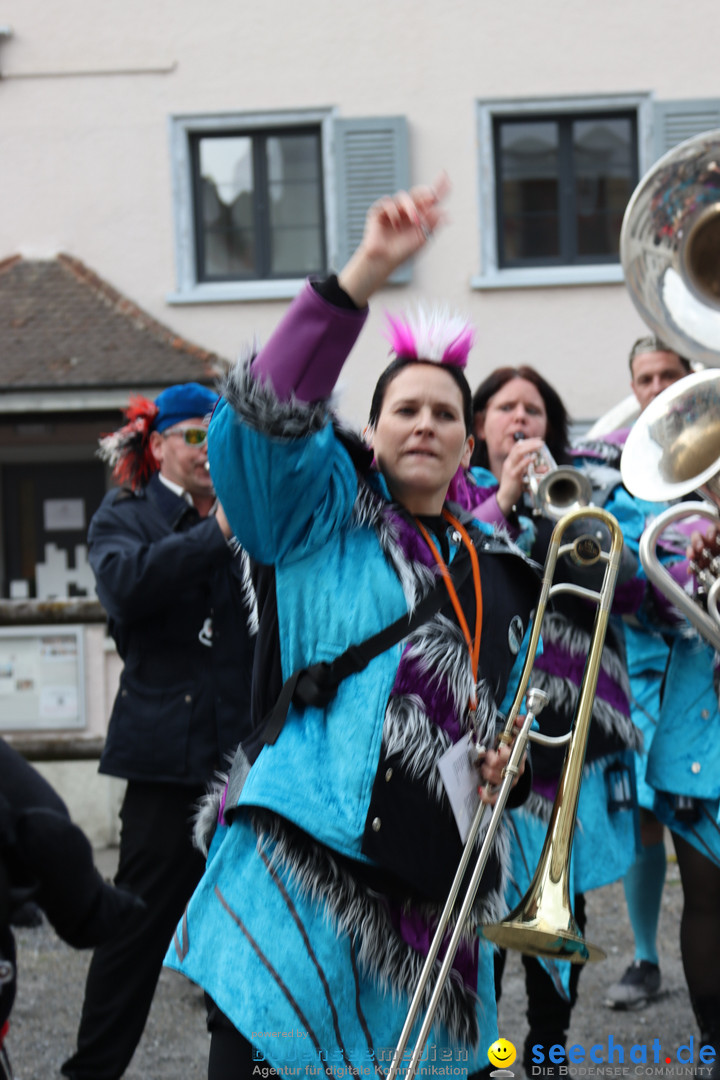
[42, 680]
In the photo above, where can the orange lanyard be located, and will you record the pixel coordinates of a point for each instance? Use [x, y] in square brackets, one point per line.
[473, 643]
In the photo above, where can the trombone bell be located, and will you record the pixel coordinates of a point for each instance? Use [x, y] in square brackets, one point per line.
[543, 923]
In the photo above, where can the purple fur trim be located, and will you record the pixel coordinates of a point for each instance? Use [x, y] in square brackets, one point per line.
[556, 661]
[411, 679]
[417, 931]
[546, 787]
[462, 491]
[412, 542]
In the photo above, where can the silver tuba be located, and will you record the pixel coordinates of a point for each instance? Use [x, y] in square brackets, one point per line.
[670, 251]
[673, 449]
[670, 248]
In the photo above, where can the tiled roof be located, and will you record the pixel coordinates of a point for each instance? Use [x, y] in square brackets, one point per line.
[61, 326]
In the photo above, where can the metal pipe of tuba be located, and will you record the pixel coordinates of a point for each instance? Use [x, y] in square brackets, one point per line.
[545, 926]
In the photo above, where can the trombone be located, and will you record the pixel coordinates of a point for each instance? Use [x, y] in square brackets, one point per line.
[543, 924]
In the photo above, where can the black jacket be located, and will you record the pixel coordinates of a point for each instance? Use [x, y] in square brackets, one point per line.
[173, 592]
[45, 857]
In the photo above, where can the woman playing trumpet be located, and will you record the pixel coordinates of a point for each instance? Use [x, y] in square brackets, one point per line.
[517, 414]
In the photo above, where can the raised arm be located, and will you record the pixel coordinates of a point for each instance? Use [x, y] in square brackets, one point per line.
[304, 356]
[396, 228]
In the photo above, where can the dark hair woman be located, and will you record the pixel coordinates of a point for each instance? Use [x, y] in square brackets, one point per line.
[336, 844]
[516, 413]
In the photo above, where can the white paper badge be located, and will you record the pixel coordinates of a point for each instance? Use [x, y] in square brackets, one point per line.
[461, 779]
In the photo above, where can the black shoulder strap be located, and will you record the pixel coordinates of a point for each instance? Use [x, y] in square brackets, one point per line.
[317, 685]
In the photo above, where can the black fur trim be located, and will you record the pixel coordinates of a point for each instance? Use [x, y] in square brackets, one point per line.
[257, 405]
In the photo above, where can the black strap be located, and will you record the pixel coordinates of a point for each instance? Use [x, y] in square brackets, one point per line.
[317, 685]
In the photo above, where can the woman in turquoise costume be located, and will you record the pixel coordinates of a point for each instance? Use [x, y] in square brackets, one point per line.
[517, 412]
[332, 846]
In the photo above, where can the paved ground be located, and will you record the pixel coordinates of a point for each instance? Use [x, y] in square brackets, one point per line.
[175, 1043]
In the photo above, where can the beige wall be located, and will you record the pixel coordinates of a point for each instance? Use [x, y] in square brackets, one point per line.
[84, 160]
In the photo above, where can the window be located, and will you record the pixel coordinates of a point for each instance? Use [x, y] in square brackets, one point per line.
[259, 199]
[562, 185]
[262, 200]
[555, 180]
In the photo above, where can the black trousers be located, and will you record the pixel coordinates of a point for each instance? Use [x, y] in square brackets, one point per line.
[159, 864]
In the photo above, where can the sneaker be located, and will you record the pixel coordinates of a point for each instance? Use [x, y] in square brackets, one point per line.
[639, 984]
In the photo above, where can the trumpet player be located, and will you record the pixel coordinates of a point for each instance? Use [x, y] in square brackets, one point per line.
[517, 414]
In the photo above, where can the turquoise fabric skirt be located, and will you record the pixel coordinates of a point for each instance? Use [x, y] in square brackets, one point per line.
[703, 834]
[289, 980]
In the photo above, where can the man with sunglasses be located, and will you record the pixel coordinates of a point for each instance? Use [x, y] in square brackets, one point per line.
[172, 582]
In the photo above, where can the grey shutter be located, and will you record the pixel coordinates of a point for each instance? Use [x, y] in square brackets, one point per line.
[371, 160]
[679, 120]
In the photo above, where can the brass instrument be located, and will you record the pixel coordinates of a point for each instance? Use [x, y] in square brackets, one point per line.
[673, 449]
[669, 245]
[554, 489]
[543, 924]
[670, 251]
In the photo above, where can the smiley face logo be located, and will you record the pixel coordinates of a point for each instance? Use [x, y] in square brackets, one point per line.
[502, 1053]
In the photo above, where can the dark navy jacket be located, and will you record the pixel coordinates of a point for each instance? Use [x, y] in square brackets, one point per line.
[166, 578]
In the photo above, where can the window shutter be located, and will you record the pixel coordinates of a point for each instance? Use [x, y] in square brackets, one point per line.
[679, 120]
[371, 159]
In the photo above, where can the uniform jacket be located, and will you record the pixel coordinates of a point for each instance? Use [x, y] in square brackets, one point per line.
[174, 594]
[349, 799]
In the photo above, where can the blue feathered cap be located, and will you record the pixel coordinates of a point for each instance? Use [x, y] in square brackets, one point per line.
[185, 401]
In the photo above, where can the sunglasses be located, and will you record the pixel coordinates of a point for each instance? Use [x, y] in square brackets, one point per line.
[193, 436]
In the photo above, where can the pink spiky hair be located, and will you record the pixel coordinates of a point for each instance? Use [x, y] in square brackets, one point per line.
[435, 335]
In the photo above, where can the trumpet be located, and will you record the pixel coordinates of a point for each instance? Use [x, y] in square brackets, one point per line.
[555, 489]
[543, 924]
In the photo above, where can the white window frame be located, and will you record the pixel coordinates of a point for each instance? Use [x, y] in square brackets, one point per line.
[182, 128]
[491, 276]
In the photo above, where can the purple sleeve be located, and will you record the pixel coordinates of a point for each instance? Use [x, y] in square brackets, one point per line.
[305, 354]
[480, 501]
[489, 511]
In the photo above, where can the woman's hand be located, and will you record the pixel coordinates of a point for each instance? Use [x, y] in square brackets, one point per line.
[493, 765]
[513, 478]
[396, 227]
[704, 547]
